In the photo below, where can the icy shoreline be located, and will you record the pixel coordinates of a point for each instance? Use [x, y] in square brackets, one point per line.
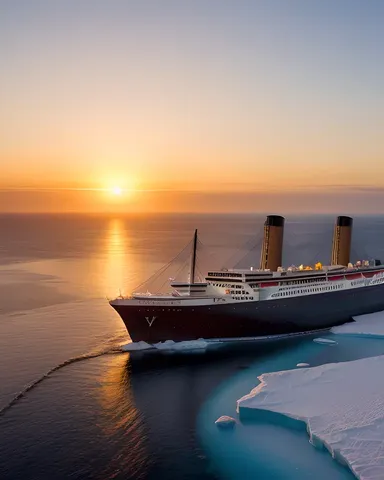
[342, 405]
[371, 325]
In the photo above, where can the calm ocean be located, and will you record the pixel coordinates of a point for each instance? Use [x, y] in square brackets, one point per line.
[103, 414]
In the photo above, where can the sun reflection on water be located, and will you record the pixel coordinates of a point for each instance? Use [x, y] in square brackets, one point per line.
[123, 424]
[118, 256]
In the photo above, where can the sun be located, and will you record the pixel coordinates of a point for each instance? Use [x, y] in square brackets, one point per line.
[116, 191]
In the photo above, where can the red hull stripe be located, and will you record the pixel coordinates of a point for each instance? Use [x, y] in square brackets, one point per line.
[338, 277]
[352, 276]
[369, 274]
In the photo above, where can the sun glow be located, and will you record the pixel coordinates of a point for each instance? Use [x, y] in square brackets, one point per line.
[117, 191]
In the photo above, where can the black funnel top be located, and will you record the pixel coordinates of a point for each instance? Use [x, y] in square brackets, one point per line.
[344, 221]
[274, 221]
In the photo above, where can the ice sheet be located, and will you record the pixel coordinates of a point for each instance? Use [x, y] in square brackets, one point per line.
[371, 325]
[325, 341]
[225, 421]
[136, 346]
[341, 403]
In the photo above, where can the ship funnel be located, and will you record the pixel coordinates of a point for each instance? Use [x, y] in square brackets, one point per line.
[342, 235]
[272, 250]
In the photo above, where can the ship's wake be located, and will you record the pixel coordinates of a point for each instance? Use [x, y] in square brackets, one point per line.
[106, 350]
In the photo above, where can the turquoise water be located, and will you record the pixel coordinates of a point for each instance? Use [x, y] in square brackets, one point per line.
[264, 450]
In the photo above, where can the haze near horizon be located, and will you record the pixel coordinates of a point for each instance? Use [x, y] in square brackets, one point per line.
[192, 106]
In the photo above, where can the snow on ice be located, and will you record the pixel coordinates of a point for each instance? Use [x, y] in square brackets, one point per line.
[225, 422]
[187, 345]
[341, 403]
[371, 325]
[325, 341]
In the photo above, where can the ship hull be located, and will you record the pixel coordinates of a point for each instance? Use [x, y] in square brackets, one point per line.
[157, 323]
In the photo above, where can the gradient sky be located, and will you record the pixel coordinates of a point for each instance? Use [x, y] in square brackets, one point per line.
[192, 105]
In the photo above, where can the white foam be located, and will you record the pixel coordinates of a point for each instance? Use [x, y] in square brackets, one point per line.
[371, 325]
[302, 365]
[168, 345]
[341, 403]
[325, 341]
[187, 345]
[225, 421]
[136, 346]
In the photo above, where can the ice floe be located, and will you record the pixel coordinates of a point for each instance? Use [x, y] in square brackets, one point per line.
[187, 345]
[341, 403]
[168, 346]
[302, 365]
[371, 325]
[225, 422]
[136, 346]
[325, 341]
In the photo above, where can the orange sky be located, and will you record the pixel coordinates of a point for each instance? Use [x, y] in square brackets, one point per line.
[191, 107]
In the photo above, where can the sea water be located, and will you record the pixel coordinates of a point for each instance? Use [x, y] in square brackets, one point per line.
[266, 449]
[73, 406]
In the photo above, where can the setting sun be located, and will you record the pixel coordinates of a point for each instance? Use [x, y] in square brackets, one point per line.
[117, 191]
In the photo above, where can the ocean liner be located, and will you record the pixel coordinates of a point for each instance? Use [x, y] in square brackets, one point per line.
[242, 304]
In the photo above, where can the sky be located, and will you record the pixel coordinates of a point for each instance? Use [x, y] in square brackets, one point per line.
[192, 105]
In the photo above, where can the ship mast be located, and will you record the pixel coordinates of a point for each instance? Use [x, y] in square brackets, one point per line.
[193, 258]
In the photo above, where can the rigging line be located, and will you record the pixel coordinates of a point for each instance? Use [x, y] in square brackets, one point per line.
[247, 254]
[163, 268]
[178, 271]
[249, 245]
[247, 261]
[208, 254]
[315, 257]
[200, 260]
[164, 277]
[198, 270]
[199, 242]
[200, 275]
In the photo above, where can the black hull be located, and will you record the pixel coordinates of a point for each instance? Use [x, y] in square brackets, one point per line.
[249, 319]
